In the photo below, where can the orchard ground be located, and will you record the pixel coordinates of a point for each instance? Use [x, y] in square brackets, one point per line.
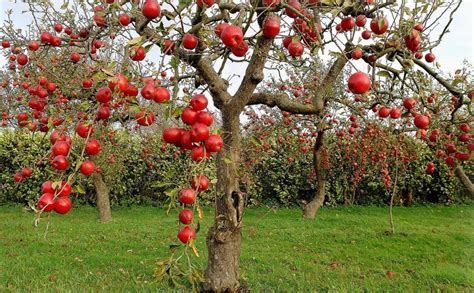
[432, 249]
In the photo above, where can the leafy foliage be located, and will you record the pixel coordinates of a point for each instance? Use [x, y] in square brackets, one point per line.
[278, 173]
[136, 170]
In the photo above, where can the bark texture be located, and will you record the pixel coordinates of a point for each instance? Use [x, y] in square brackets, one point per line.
[465, 180]
[222, 273]
[310, 209]
[224, 238]
[102, 198]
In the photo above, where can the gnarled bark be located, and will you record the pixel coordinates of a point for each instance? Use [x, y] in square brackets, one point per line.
[222, 273]
[223, 240]
[465, 180]
[310, 209]
[102, 198]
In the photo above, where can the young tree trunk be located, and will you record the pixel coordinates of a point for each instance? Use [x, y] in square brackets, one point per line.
[102, 198]
[392, 226]
[408, 196]
[392, 196]
[310, 209]
[347, 201]
[223, 240]
[466, 182]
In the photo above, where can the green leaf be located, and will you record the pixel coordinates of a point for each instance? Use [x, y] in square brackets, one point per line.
[255, 140]
[200, 213]
[384, 73]
[171, 192]
[335, 12]
[198, 226]
[148, 48]
[80, 189]
[194, 248]
[99, 76]
[84, 106]
[133, 100]
[177, 112]
[65, 5]
[134, 109]
[161, 27]
[50, 123]
[174, 62]
[135, 41]
[170, 174]
[160, 184]
[381, 22]
[107, 72]
[184, 3]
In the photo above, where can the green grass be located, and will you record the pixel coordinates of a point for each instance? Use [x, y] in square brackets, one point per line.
[432, 249]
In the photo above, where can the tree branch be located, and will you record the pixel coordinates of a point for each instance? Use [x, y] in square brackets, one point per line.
[217, 85]
[330, 79]
[254, 73]
[452, 89]
[283, 102]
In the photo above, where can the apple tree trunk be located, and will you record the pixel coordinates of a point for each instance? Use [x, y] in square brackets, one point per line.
[102, 198]
[224, 237]
[465, 180]
[311, 208]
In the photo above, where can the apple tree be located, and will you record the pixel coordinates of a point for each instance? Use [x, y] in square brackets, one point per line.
[222, 49]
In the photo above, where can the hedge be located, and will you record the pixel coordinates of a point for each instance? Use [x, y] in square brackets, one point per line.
[139, 170]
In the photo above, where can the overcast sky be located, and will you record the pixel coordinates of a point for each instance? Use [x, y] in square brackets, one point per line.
[458, 44]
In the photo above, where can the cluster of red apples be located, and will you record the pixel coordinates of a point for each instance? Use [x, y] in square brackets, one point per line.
[197, 137]
[201, 143]
[187, 196]
[56, 195]
[359, 84]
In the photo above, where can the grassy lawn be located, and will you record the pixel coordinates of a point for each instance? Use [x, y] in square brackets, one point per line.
[431, 249]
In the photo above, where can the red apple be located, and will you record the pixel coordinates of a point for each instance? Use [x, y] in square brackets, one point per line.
[186, 217]
[151, 9]
[232, 36]
[186, 234]
[62, 205]
[214, 143]
[189, 41]
[92, 147]
[199, 102]
[241, 49]
[187, 196]
[409, 103]
[359, 83]
[430, 57]
[271, 26]
[379, 25]
[87, 168]
[422, 121]
[296, 49]
[46, 202]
